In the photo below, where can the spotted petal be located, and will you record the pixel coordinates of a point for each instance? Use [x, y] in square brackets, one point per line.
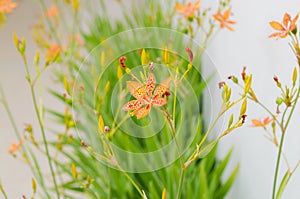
[159, 102]
[142, 112]
[136, 89]
[132, 105]
[150, 84]
[162, 88]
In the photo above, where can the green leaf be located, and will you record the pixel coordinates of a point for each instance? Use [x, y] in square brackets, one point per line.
[203, 183]
[283, 184]
[221, 193]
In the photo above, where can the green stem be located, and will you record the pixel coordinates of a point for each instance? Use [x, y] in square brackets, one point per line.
[17, 133]
[52, 28]
[10, 116]
[131, 180]
[3, 191]
[282, 141]
[277, 166]
[181, 182]
[41, 124]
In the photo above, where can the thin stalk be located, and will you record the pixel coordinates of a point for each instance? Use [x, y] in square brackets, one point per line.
[17, 133]
[173, 133]
[52, 28]
[3, 191]
[277, 166]
[131, 180]
[182, 174]
[10, 116]
[282, 141]
[41, 124]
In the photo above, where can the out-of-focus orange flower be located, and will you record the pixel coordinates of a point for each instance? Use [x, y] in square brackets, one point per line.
[15, 147]
[52, 12]
[285, 27]
[224, 19]
[146, 96]
[189, 9]
[6, 6]
[76, 38]
[53, 50]
[261, 123]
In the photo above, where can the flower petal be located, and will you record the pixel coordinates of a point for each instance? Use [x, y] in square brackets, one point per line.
[276, 34]
[159, 102]
[229, 28]
[266, 121]
[293, 23]
[132, 105]
[256, 123]
[286, 19]
[162, 88]
[277, 26]
[142, 112]
[136, 89]
[150, 84]
[226, 14]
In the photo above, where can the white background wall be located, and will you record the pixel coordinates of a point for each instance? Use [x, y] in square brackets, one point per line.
[15, 175]
[248, 46]
[264, 57]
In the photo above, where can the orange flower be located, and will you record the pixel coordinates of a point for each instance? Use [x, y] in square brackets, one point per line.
[76, 38]
[189, 9]
[285, 28]
[52, 12]
[15, 147]
[6, 6]
[261, 123]
[53, 51]
[223, 19]
[145, 97]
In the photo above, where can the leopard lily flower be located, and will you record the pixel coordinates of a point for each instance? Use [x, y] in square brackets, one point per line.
[223, 19]
[261, 123]
[6, 6]
[285, 27]
[146, 96]
[189, 9]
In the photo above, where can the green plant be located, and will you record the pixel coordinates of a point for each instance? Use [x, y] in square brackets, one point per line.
[88, 165]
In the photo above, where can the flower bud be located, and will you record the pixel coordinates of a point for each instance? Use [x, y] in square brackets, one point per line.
[294, 77]
[279, 101]
[106, 129]
[243, 107]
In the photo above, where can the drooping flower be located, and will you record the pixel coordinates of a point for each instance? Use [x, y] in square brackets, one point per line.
[146, 96]
[223, 19]
[285, 27]
[52, 12]
[261, 123]
[15, 147]
[6, 6]
[189, 9]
